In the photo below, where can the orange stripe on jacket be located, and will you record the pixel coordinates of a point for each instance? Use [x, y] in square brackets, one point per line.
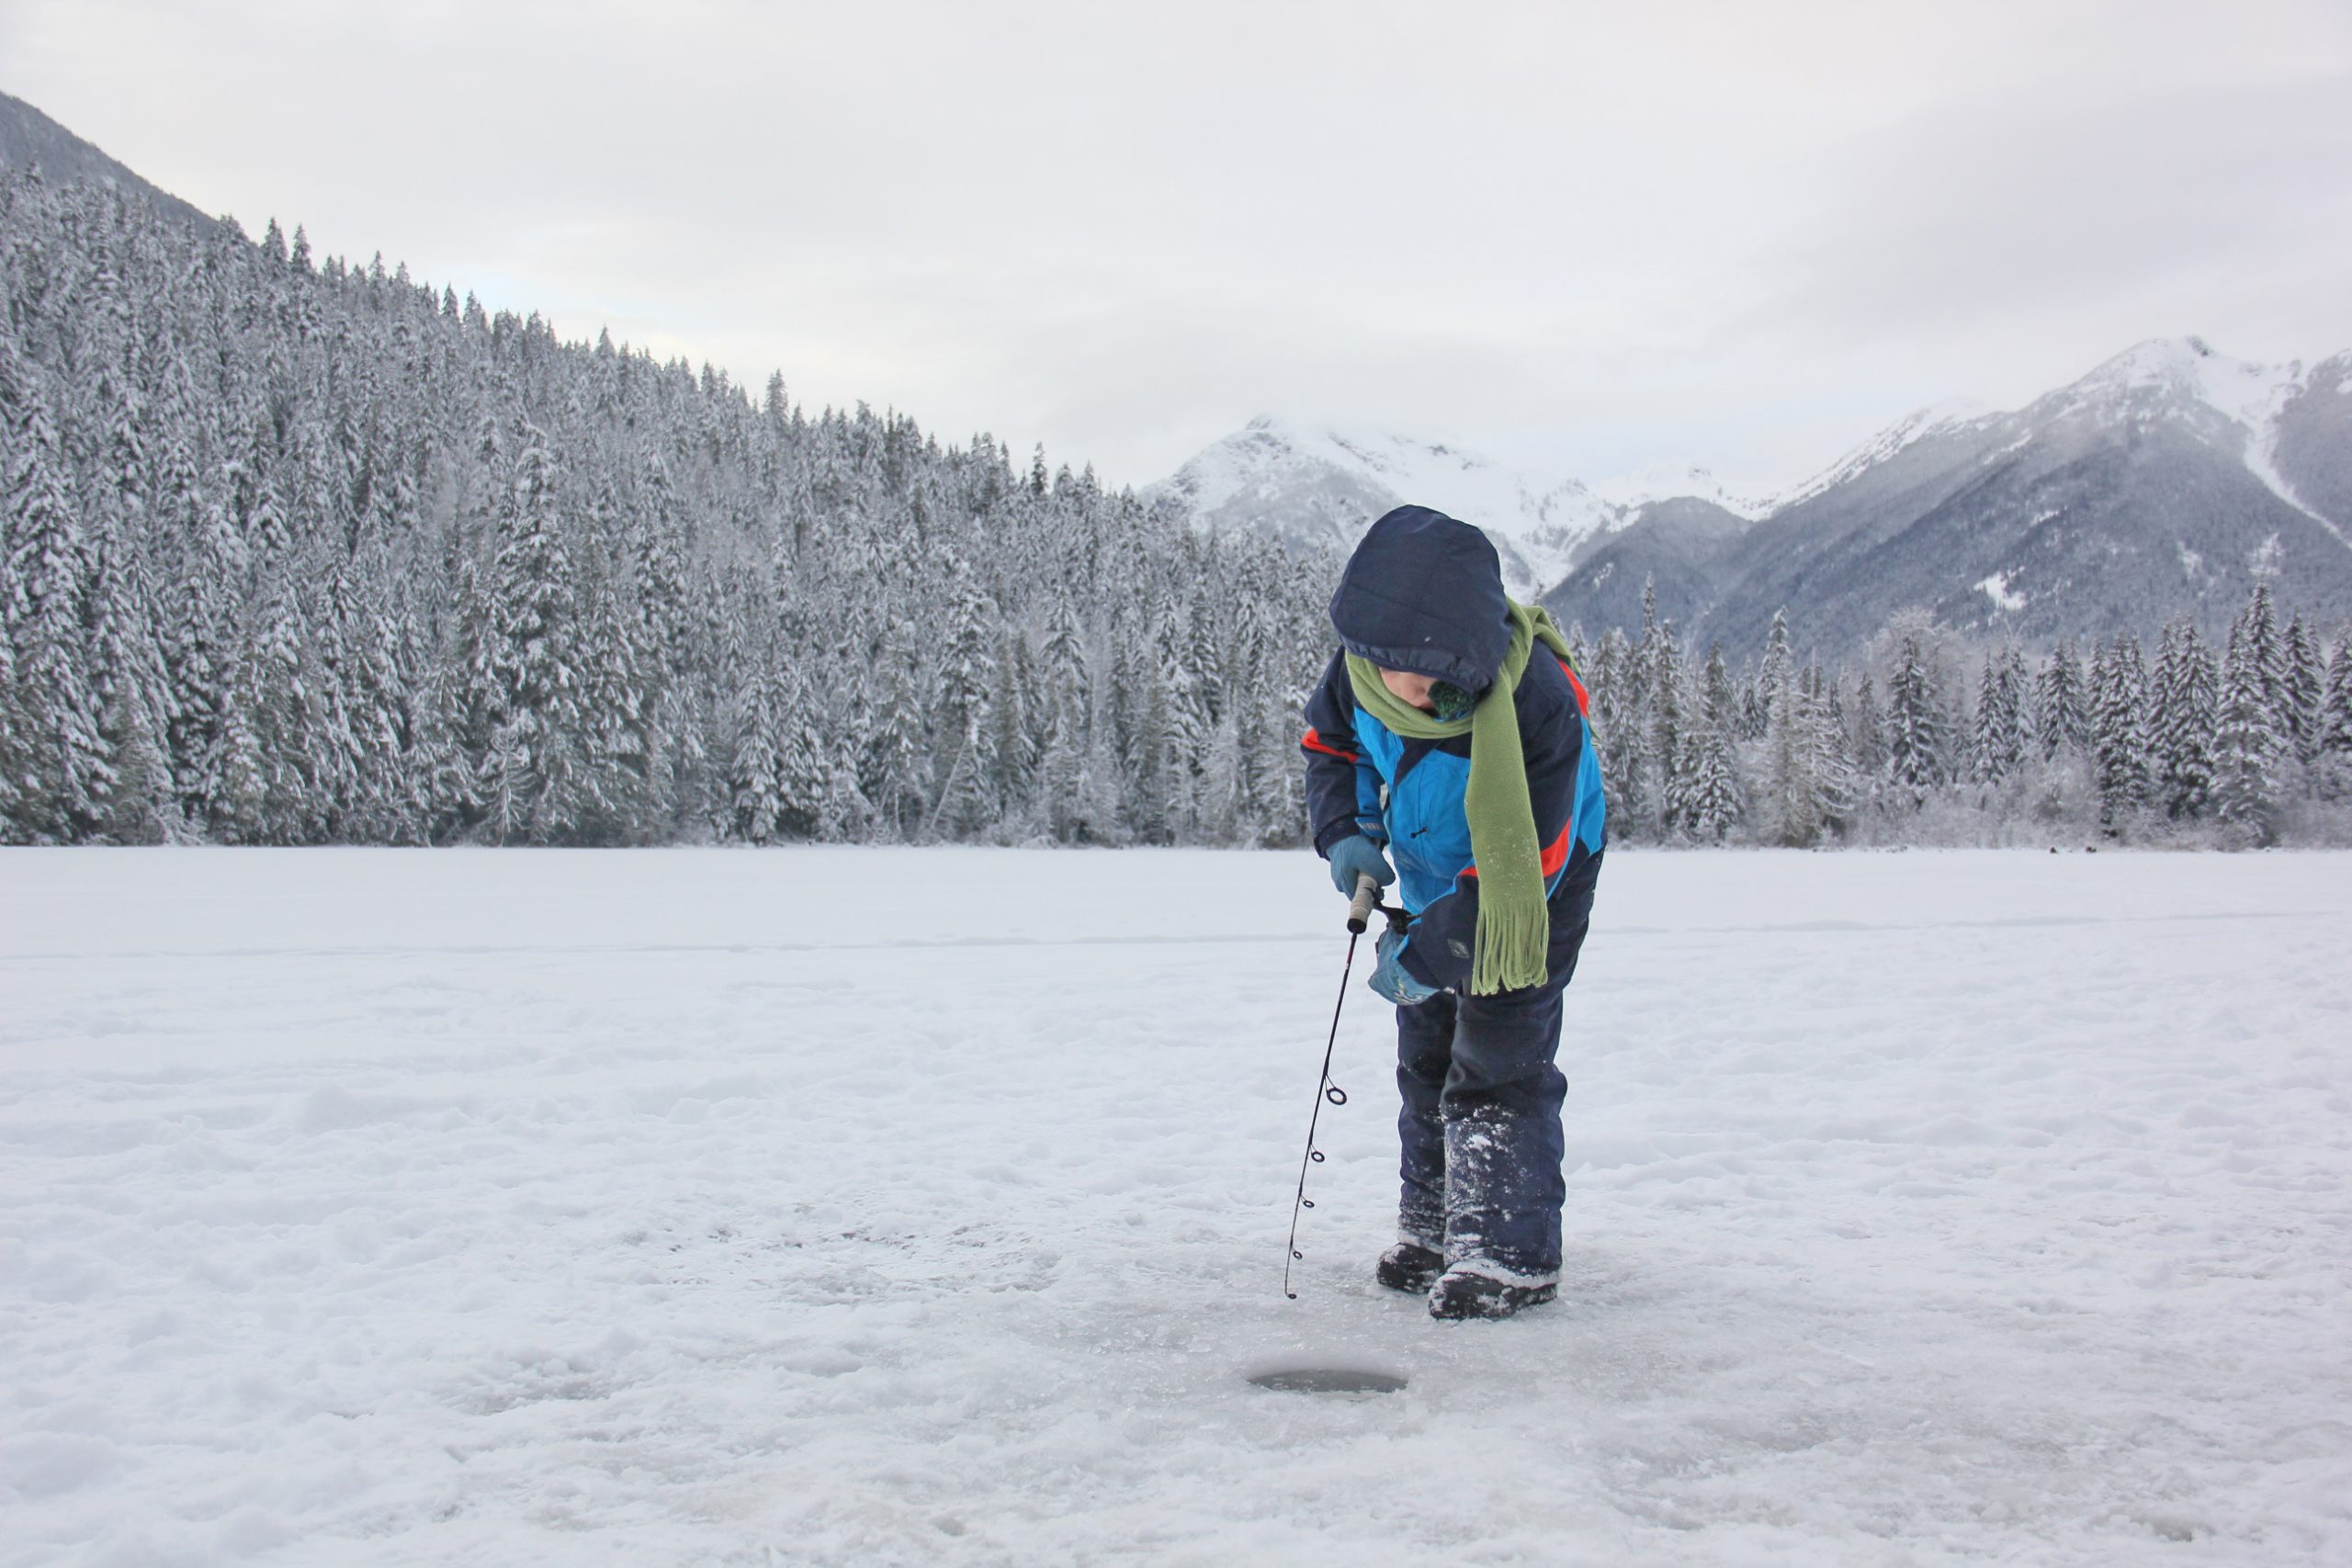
[1554, 856]
[1584, 703]
[1314, 742]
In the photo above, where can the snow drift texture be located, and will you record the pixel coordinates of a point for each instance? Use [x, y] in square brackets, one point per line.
[877, 1207]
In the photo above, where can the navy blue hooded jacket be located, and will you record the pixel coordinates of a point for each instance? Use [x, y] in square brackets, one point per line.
[1424, 592]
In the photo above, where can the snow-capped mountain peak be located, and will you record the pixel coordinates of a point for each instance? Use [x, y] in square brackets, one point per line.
[2187, 370]
[1321, 484]
[2237, 400]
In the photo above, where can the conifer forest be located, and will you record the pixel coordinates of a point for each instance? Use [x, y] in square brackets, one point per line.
[302, 552]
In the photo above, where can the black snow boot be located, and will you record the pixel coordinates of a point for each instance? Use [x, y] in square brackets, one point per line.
[1410, 1266]
[1474, 1289]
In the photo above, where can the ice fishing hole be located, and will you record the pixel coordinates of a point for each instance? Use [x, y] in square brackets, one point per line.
[1329, 1380]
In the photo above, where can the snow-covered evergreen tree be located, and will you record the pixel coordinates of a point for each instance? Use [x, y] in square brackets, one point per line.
[1669, 718]
[2119, 732]
[1754, 714]
[531, 771]
[53, 710]
[2061, 705]
[1808, 786]
[2186, 710]
[1867, 736]
[2248, 744]
[963, 798]
[2265, 647]
[1617, 721]
[1017, 740]
[1837, 791]
[1708, 800]
[755, 782]
[1774, 671]
[2000, 745]
[199, 635]
[2336, 704]
[890, 770]
[2301, 689]
[809, 805]
[2334, 764]
[1919, 727]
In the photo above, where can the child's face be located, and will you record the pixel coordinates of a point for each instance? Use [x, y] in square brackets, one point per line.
[1408, 688]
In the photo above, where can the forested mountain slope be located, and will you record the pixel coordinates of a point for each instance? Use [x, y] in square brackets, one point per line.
[302, 552]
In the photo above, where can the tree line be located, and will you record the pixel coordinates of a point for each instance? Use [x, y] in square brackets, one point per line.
[2245, 745]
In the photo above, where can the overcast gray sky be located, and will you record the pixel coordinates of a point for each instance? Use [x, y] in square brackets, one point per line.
[1584, 238]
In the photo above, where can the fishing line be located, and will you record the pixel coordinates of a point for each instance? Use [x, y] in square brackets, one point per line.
[1326, 1092]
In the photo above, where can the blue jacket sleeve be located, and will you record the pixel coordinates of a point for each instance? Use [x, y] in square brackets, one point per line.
[1552, 736]
[1342, 787]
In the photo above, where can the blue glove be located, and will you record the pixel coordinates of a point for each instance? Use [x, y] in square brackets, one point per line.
[1358, 856]
[1390, 978]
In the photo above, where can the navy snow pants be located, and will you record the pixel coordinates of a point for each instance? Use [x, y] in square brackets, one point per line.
[1480, 1126]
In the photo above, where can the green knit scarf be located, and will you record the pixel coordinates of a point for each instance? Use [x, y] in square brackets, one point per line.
[1514, 928]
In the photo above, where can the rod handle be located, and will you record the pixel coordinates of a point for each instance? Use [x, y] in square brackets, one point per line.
[1359, 908]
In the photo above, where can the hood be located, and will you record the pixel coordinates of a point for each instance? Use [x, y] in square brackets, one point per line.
[1424, 592]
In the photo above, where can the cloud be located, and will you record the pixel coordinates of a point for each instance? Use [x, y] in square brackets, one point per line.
[2013, 216]
[1596, 235]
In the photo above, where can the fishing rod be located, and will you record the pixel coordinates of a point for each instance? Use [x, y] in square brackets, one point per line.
[1360, 912]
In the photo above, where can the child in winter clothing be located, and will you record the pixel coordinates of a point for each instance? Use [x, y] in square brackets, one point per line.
[1449, 733]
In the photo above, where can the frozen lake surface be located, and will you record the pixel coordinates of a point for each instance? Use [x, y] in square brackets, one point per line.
[867, 1207]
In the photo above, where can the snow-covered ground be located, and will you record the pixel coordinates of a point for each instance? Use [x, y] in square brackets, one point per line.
[892, 1206]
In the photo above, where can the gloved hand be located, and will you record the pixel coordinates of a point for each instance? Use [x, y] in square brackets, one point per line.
[1389, 980]
[1358, 856]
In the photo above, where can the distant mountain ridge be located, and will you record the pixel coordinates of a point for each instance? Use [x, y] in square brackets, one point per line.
[2161, 483]
[30, 138]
